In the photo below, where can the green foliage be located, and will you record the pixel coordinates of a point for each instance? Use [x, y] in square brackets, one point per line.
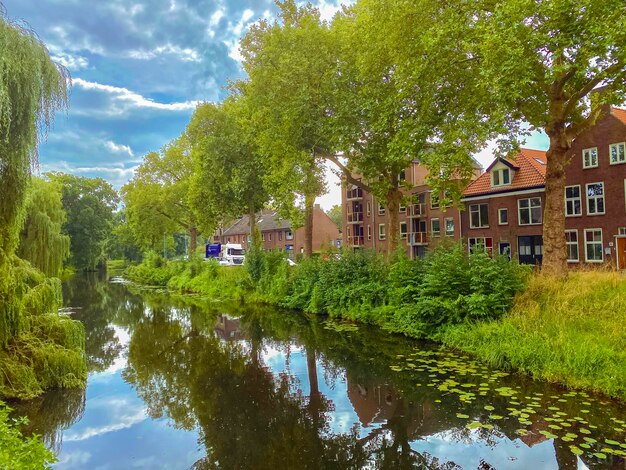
[17, 451]
[41, 240]
[89, 204]
[336, 215]
[122, 242]
[570, 331]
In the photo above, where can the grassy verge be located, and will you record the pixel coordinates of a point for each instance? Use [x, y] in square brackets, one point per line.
[570, 331]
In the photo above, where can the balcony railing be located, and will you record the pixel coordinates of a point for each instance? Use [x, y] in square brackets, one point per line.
[416, 210]
[418, 238]
[355, 217]
[356, 241]
[356, 193]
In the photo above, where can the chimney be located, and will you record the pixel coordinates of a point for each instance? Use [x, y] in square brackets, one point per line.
[317, 206]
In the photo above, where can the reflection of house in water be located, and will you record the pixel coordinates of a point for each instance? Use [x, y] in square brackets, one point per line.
[227, 328]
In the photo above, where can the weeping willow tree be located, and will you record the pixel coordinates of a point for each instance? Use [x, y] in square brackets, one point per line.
[38, 348]
[42, 242]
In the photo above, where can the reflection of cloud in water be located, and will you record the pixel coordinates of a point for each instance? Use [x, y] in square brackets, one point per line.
[76, 459]
[123, 337]
[501, 453]
[123, 412]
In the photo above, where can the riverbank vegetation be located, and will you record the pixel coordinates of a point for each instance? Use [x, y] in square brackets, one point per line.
[569, 331]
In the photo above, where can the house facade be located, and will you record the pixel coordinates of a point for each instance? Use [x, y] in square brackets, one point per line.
[423, 222]
[278, 234]
[504, 206]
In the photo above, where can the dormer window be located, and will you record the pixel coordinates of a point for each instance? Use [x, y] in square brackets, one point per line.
[501, 177]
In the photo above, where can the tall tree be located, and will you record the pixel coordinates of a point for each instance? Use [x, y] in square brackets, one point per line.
[89, 204]
[157, 198]
[542, 59]
[336, 215]
[42, 242]
[405, 90]
[32, 88]
[228, 180]
[290, 67]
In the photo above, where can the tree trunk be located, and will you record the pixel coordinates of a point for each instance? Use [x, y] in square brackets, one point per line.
[555, 255]
[309, 201]
[193, 241]
[394, 196]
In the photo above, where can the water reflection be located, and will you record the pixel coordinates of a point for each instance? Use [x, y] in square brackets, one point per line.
[183, 383]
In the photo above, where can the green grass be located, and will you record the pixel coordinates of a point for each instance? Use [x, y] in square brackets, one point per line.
[570, 331]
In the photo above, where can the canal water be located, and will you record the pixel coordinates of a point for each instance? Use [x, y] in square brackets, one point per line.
[185, 383]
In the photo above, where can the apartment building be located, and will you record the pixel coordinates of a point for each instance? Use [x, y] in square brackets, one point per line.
[504, 206]
[278, 234]
[423, 221]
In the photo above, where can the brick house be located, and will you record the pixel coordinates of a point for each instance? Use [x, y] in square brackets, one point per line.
[423, 222]
[504, 206]
[277, 233]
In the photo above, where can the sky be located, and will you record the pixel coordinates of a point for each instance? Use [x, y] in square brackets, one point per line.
[138, 68]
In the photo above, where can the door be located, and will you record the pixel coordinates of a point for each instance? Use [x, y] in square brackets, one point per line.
[621, 253]
[530, 249]
[505, 249]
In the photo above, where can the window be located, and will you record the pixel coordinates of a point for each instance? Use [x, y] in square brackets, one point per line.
[625, 192]
[573, 202]
[590, 157]
[369, 209]
[479, 215]
[503, 216]
[501, 177]
[621, 231]
[529, 211]
[270, 236]
[403, 230]
[593, 245]
[402, 209]
[280, 236]
[449, 227]
[369, 232]
[381, 232]
[617, 153]
[595, 199]
[434, 201]
[381, 210]
[571, 241]
[402, 176]
[288, 235]
[480, 243]
[435, 227]
[263, 236]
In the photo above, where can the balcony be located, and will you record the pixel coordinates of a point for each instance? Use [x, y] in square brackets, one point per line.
[356, 241]
[355, 217]
[416, 210]
[356, 193]
[418, 238]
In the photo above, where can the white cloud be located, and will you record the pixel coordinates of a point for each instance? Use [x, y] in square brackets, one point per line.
[118, 148]
[185, 54]
[131, 99]
[71, 62]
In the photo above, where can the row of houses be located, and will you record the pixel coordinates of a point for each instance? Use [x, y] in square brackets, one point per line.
[503, 206]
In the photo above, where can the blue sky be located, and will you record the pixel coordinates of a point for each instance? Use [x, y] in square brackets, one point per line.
[139, 67]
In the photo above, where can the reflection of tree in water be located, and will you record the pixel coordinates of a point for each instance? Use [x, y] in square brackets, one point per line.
[51, 414]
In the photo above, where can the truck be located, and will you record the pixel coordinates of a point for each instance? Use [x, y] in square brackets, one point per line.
[229, 254]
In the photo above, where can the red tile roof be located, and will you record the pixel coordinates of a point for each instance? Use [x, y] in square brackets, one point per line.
[619, 113]
[530, 172]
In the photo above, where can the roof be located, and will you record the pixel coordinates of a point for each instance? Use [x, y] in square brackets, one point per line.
[530, 172]
[266, 220]
[619, 113]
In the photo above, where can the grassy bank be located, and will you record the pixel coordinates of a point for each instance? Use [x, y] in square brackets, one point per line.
[572, 331]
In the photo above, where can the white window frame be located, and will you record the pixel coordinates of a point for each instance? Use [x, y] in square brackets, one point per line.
[381, 209]
[500, 212]
[619, 154]
[382, 234]
[270, 236]
[529, 208]
[587, 260]
[436, 233]
[499, 175]
[573, 201]
[288, 235]
[263, 236]
[405, 234]
[489, 250]
[434, 201]
[570, 243]
[621, 231]
[480, 220]
[402, 209]
[369, 209]
[369, 232]
[590, 151]
[448, 232]
[596, 198]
